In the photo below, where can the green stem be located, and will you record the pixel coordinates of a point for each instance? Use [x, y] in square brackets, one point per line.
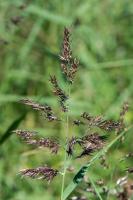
[95, 188]
[65, 156]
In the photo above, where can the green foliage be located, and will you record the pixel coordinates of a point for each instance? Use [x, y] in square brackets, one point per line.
[81, 173]
[11, 128]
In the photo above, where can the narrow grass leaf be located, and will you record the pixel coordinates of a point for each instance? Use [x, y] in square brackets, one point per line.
[80, 175]
[95, 188]
[46, 14]
[13, 126]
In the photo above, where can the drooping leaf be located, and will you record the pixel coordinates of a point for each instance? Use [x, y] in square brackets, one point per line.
[10, 129]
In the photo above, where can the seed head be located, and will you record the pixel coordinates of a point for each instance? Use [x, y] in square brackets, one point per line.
[98, 121]
[47, 110]
[70, 146]
[30, 138]
[46, 173]
[91, 143]
[88, 143]
[45, 143]
[25, 135]
[69, 65]
[59, 92]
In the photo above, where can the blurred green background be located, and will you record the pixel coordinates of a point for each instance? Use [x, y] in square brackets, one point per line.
[31, 34]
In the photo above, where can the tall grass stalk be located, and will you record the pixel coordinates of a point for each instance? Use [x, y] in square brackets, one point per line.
[65, 154]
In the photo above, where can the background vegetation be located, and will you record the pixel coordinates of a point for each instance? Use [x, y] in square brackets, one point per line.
[30, 41]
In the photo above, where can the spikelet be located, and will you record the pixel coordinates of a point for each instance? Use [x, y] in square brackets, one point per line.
[46, 173]
[69, 65]
[46, 109]
[59, 93]
[30, 138]
[89, 144]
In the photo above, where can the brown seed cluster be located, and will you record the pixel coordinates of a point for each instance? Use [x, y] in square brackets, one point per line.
[59, 93]
[91, 143]
[46, 173]
[47, 142]
[45, 109]
[69, 64]
[31, 138]
[25, 135]
[88, 143]
[70, 145]
[98, 121]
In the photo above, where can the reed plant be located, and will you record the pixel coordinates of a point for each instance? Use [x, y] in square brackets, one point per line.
[93, 144]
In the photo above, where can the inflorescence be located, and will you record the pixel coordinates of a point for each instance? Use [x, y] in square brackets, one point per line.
[88, 143]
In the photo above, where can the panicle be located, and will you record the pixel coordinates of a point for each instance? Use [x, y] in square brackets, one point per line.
[29, 138]
[98, 121]
[73, 69]
[109, 125]
[59, 92]
[66, 51]
[91, 143]
[25, 135]
[49, 143]
[70, 145]
[69, 65]
[93, 121]
[45, 172]
[47, 110]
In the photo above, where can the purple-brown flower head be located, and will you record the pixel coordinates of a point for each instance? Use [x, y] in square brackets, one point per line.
[91, 143]
[25, 135]
[46, 173]
[66, 55]
[47, 110]
[73, 69]
[59, 93]
[48, 143]
[30, 137]
[98, 121]
[70, 145]
[69, 64]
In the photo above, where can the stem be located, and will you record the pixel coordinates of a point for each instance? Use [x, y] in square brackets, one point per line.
[95, 188]
[65, 156]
